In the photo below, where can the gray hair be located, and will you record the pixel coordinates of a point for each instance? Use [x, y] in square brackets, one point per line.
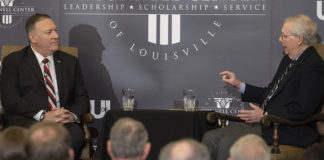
[128, 138]
[185, 149]
[304, 26]
[48, 140]
[250, 147]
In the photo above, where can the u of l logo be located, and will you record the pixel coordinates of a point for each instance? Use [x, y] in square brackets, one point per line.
[319, 12]
[164, 30]
[104, 107]
[6, 19]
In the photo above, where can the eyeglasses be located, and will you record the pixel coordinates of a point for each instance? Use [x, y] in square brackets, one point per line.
[284, 36]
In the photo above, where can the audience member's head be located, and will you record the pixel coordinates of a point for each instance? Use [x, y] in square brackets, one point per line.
[250, 147]
[185, 149]
[128, 140]
[50, 141]
[315, 152]
[12, 143]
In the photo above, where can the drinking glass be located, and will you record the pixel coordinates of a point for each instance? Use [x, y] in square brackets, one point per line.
[128, 99]
[189, 100]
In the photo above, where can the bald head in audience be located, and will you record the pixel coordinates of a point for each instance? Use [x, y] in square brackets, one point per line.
[128, 140]
[185, 149]
[49, 141]
[12, 143]
[250, 147]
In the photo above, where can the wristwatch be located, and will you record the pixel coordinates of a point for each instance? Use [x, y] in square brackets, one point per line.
[42, 116]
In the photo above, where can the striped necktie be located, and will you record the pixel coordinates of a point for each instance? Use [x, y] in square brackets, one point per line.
[49, 85]
[275, 86]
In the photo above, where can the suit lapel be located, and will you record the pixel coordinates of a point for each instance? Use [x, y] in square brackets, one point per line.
[300, 60]
[58, 61]
[34, 65]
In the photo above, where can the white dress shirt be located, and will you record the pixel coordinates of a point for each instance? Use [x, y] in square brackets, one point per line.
[51, 67]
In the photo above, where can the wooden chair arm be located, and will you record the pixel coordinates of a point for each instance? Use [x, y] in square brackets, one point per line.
[86, 119]
[88, 150]
[267, 120]
[212, 117]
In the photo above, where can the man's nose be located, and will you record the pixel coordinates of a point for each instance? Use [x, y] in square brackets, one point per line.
[55, 35]
[280, 39]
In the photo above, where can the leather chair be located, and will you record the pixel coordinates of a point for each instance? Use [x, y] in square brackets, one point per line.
[282, 152]
[87, 118]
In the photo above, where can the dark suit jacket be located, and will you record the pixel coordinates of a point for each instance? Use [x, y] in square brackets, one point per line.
[298, 96]
[23, 91]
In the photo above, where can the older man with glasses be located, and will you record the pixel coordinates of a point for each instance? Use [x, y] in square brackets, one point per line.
[294, 93]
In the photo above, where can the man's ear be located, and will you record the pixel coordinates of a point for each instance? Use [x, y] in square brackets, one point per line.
[32, 37]
[109, 148]
[147, 149]
[301, 40]
[71, 154]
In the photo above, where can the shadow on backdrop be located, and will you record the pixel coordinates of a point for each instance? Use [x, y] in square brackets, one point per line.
[96, 76]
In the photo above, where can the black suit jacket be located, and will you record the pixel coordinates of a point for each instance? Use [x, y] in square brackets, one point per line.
[23, 90]
[298, 96]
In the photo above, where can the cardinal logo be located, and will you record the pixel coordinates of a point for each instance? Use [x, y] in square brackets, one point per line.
[223, 102]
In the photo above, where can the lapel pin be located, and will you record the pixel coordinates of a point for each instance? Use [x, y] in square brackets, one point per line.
[59, 61]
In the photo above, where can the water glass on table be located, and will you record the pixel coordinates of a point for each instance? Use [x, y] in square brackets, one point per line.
[128, 99]
[189, 100]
